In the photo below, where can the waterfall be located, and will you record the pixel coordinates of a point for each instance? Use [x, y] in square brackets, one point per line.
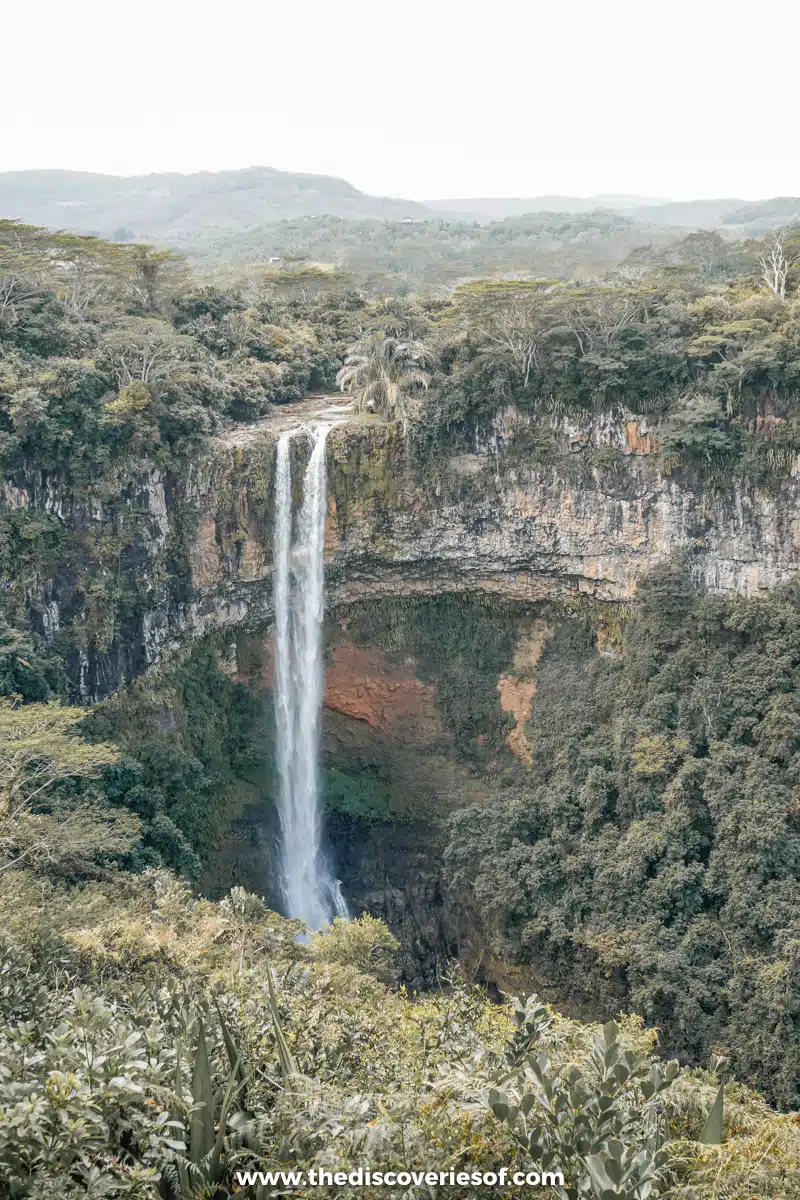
[309, 891]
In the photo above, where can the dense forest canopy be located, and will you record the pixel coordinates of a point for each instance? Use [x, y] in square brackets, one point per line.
[435, 253]
[657, 838]
[648, 859]
[114, 350]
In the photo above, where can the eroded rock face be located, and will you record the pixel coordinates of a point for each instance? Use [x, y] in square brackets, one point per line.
[104, 536]
[491, 520]
[497, 525]
[365, 685]
[361, 683]
[517, 687]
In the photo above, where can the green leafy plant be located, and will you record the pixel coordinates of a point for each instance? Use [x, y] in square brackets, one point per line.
[713, 1131]
[363, 942]
[600, 1125]
[288, 1065]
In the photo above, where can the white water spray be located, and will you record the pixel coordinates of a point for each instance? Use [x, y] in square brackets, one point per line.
[309, 891]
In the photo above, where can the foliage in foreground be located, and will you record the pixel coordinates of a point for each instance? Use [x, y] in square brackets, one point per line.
[153, 1043]
[601, 1124]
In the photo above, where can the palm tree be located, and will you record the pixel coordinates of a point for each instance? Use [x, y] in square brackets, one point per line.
[382, 371]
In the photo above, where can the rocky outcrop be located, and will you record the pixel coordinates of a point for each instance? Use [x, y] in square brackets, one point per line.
[365, 685]
[490, 521]
[588, 518]
[84, 549]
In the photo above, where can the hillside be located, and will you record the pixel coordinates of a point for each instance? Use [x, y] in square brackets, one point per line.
[223, 222]
[229, 214]
[498, 208]
[421, 254]
[166, 208]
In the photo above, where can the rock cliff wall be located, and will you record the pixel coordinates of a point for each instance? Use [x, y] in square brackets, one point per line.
[588, 523]
[135, 573]
[502, 519]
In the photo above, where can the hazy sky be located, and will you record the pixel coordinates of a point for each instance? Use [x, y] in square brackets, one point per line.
[418, 98]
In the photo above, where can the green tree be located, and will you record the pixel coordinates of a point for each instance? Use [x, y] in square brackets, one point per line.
[242, 913]
[152, 278]
[23, 265]
[382, 373]
[145, 350]
[39, 745]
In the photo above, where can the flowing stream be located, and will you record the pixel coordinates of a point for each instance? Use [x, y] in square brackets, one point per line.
[309, 890]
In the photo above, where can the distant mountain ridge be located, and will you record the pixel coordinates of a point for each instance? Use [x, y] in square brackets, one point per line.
[498, 208]
[170, 206]
[173, 209]
[751, 216]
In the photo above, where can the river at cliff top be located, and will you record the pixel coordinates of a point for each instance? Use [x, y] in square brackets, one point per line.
[323, 406]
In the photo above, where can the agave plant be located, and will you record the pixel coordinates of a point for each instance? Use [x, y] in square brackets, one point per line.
[188, 1175]
[217, 1133]
[288, 1065]
[713, 1131]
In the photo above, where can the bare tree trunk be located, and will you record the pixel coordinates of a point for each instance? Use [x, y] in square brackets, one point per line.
[775, 266]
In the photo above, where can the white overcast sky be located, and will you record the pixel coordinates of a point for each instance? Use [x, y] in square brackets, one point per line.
[416, 98]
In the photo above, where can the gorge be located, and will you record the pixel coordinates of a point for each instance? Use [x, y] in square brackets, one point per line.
[546, 545]
[502, 659]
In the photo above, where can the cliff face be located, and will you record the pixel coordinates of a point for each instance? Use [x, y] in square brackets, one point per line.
[496, 521]
[98, 571]
[195, 552]
[588, 524]
[427, 707]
